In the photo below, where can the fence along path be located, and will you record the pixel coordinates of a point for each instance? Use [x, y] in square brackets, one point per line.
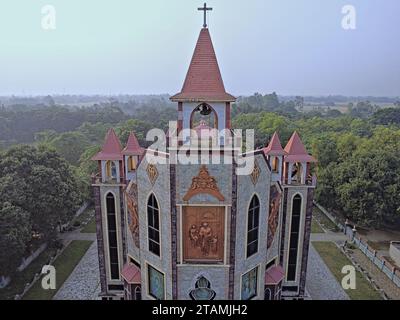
[391, 271]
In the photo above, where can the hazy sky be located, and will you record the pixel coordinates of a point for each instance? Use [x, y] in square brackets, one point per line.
[138, 47]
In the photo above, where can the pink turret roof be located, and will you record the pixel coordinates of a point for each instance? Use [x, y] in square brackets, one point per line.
[203, 80]
[274, 147]
[296, 150]
[132, 146]
[111, 149]
[274, 275]
[131, 274]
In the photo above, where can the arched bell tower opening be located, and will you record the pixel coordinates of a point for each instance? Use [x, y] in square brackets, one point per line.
[297, 173]
[204, 114]
[204, 126]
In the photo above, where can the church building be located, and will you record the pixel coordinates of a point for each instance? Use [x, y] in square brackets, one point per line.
[187, 230]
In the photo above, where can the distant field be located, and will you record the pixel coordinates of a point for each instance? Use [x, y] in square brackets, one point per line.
[341, 107]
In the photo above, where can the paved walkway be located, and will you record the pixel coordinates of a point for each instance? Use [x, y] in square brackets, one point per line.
[329, 237]
[77, 235]
[321, 283]
[83, 283]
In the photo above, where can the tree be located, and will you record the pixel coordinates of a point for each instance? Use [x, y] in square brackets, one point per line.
[70, 145]
[139, 127]
[386, 117]
[40, 182]
[86, 168]
[324, 148]
[326, 187]
[368, 187]
[15, 233]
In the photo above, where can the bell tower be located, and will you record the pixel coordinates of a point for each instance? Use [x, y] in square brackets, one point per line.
[203, 99]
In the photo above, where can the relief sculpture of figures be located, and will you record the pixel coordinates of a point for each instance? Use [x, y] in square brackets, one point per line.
[273, 219]
[204, 234]
[203, 238]
[133, 213]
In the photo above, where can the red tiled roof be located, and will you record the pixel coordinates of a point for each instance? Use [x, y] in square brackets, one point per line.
[111, 149]
[131, 273]
[296, 150]
[203, 80]
[274, 147]
[274, 275]
[132, 146]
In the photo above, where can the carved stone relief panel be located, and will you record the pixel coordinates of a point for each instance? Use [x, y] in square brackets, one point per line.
[255, 174]
[204, 183]
[133, 218]
[273, 219]
[152, 173]
[203, 234]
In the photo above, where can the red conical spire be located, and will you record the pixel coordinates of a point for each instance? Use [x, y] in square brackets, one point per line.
[203, 80]
[111, 149]
[274, 147]
[132, 146]
[296, 150]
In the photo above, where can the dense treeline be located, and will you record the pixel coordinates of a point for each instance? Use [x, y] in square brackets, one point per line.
[359, 160]
[19, 125]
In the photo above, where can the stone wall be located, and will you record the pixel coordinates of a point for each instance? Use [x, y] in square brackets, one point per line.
[246, 191]
[162, 192]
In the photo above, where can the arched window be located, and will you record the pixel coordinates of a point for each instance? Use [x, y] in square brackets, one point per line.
[252, 226]
[267, 294]
[138, 293]
[275, 164]
[111, 170]
[204, 113]
[294, 238]
[297, 171]
[112, 236]
[153, 220]
[132, 163]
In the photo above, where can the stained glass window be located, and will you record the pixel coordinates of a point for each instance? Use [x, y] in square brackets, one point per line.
[156, 283]
[249, 284]
[252, 226]
[153, 221]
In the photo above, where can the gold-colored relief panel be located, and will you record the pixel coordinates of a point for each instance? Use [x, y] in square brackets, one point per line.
[203, 234]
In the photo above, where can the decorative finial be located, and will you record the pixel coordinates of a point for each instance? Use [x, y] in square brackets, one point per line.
[205, 9]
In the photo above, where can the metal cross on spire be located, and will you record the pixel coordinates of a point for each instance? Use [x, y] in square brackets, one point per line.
[205, 9]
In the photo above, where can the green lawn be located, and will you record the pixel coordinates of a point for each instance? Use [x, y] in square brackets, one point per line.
[64, 265]
[336, 260]
[315, 227]
[324, 220]
[19, 280]
[90, 227]
[87, 214]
